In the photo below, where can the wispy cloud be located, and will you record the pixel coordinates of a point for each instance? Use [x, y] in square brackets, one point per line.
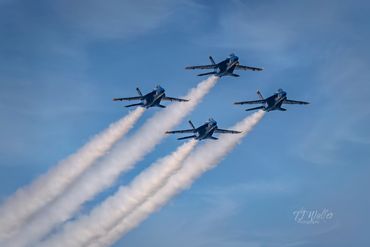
[45, 60]
[114, 18]
[341, 95]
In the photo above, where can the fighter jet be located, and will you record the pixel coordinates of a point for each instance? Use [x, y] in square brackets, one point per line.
[271, 103]
[204, 131]
[226, 67]
[150, 99]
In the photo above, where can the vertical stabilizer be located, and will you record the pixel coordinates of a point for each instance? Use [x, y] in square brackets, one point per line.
[139, 92]
[212, 61]
[259, 95]
[191, 124]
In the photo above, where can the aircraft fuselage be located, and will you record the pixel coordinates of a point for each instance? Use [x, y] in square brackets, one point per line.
[227, 66]
[206, 130]
[275, 101]
[153, 98]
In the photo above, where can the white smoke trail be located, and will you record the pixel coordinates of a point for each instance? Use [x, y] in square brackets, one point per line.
[201, 160]
[104, 217]
[121, 159]
[30, 199]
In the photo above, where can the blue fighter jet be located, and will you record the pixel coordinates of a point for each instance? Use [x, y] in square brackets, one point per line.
[271, 103]
[226, 67]
[204, 131]
[151, 99]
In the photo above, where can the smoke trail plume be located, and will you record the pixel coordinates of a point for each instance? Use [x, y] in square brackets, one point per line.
[28, 200]
[104, 217]
[122, 158]
[201, 160]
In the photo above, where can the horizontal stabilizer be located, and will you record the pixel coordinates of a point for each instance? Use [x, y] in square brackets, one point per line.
[209, 73]
[249, 102]
[174, 99]
[255, 108]
[186, 137]
[243, 67]
[235, 75]
[161, 106]
[128, 99]
[213, 138]
[209, 66]
[138, 104]
[282, 109]
[292, 102]
[180, 131]
[222, 131]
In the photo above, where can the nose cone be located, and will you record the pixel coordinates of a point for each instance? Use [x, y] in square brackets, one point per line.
[281, 92]
[212, 121]
[233, 57]
[159, 89]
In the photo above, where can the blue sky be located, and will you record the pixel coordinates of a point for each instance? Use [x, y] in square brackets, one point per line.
[62, 61]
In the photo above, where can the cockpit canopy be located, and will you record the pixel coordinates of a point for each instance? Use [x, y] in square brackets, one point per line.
[233, 57]
[158, 88]
[281, 92]
[212, 121]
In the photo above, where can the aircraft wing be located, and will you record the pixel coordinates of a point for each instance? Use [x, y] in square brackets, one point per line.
[287, 101]
[211, 66]
[242, 67]
[227, 131]
[174, 99]
[250, 102]
[129, 98]
[181, 131]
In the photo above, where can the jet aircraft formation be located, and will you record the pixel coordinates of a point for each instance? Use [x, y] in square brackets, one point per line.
[223, 68]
